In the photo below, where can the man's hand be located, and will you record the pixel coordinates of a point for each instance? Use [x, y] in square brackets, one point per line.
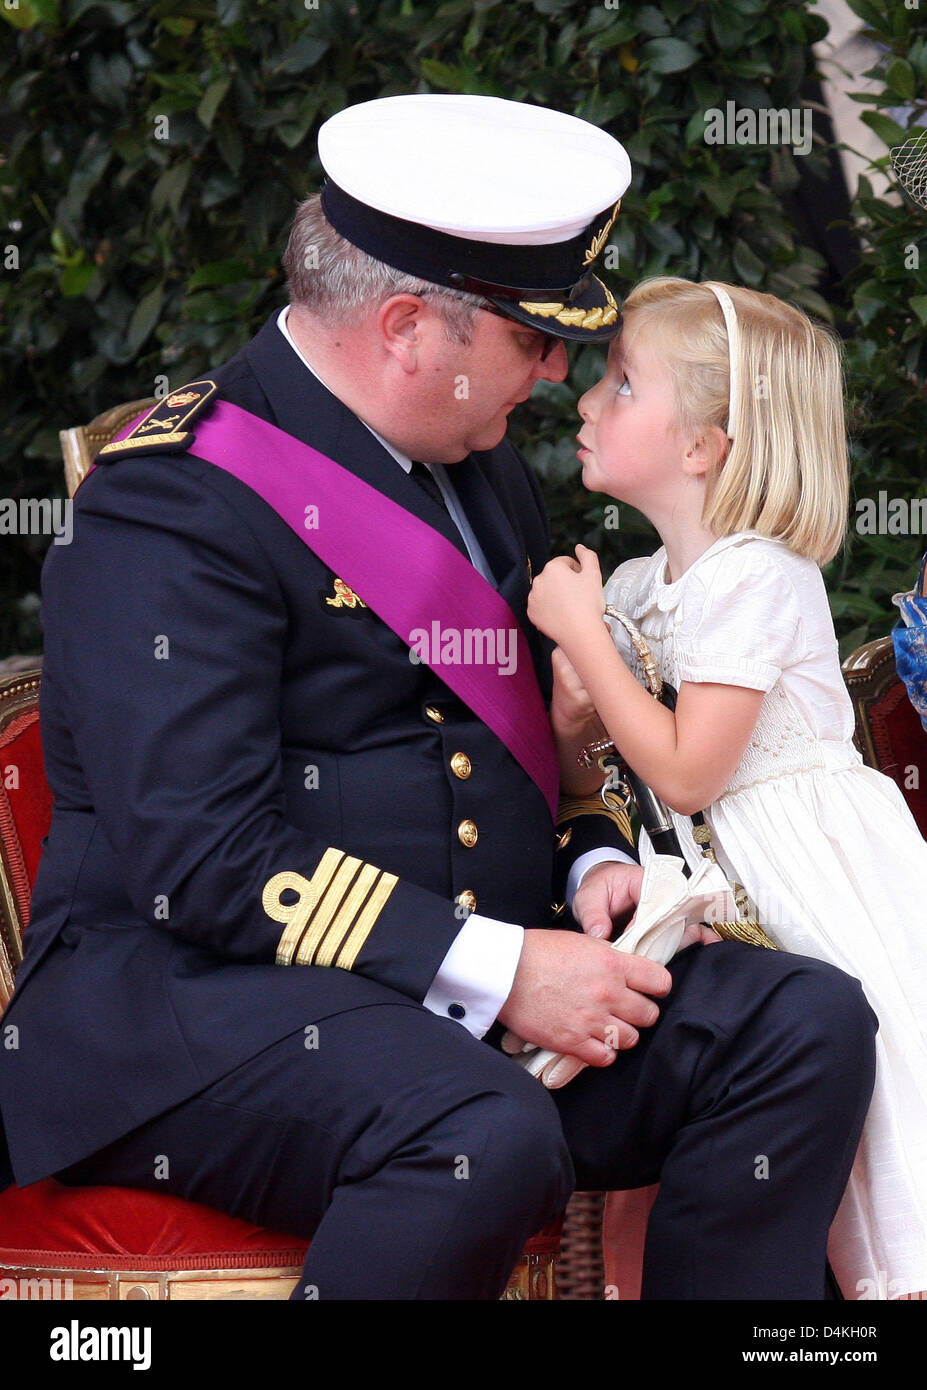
[567, 595]
[571, 709]
[576, 995]
[608, 891]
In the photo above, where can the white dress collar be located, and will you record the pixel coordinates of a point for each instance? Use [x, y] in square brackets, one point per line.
[665, 596]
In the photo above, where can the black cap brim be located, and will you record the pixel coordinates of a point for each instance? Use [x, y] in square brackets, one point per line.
[592, 316]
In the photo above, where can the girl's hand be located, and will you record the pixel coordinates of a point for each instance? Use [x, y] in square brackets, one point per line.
[567, 595]
[571, 707]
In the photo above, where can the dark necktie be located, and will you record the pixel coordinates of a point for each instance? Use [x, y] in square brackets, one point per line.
[427, 482]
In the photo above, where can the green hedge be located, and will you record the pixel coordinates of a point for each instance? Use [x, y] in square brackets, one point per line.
[157, 152]
[887, 350]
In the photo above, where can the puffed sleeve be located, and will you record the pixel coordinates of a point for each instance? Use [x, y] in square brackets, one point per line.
[740, 620]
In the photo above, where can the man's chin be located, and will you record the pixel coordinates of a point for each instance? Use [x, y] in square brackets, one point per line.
[489, 438]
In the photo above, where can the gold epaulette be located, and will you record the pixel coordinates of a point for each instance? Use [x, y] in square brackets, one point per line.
[165, 427]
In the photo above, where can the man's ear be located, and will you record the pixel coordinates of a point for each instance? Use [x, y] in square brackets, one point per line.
[401, 320]
[707, 451]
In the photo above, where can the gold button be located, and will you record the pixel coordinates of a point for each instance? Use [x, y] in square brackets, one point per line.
[461, 765]
[558, 908]
[467, 833]
[467, 899]
[434, 714]
[564, 839]
[528, 569]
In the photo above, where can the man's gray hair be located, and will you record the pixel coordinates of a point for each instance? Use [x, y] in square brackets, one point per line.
[336, 280]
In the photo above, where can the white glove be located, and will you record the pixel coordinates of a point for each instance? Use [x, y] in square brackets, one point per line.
[669, 903]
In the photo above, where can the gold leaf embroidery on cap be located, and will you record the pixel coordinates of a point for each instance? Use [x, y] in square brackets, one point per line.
[575, 318]
[599, 240]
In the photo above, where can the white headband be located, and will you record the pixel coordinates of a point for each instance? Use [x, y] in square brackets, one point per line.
[733, 350]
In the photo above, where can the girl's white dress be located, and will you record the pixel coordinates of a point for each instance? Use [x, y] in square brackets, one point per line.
[825, 846]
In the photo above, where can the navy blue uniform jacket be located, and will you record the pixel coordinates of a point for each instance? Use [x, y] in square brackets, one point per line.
[209, 721]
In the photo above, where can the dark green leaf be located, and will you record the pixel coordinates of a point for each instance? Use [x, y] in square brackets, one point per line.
[171, 186]
[669, 55]
[29, 13]
[229, 11]
[231, 146]
[180, 25]
[888, 131]
[652, 20]
[212, 98]
[748, 265]
[208, 307]
[75, 279]
[301, 55]
[869, 13]
[443, 76]
[218, 273]
[900, 77]
[144, 318]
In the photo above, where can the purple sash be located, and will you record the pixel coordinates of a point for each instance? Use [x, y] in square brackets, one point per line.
[408, 573]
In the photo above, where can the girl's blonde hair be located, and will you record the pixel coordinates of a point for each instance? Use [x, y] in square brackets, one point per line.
[786, 473]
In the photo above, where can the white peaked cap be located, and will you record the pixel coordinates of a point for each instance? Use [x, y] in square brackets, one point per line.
[501, 198]
[477, 167]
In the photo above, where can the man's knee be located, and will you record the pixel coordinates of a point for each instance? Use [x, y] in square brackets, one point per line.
[806, 1012]
[820, 1016]
[522, 1153]
[829, 1006]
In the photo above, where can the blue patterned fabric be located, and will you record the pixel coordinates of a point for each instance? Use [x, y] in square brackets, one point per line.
[910, 641]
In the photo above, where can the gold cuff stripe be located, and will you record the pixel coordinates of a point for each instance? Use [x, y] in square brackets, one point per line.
[324, 910]
[365, 922]
[336, 911]
[297, 915]
[346, 914]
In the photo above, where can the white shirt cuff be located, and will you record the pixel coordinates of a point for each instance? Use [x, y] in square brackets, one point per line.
[475, 978]
[589, 860]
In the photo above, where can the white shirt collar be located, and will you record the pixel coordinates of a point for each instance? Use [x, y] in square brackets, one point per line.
[402, 459]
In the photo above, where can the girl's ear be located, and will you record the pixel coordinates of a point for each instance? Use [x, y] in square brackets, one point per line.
[707, 451]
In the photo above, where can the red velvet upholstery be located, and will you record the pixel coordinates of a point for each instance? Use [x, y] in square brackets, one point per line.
[900, 743]
[72, 1227]
[889, 733]
[25, 807]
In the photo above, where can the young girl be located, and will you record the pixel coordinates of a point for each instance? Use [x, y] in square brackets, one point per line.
[720, 417]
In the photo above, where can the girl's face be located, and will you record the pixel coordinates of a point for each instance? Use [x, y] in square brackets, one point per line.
[632, 447]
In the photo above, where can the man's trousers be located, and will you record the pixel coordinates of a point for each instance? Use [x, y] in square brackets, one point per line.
[420, 1160]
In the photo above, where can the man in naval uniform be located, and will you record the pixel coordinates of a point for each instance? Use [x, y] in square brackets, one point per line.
[302, 857]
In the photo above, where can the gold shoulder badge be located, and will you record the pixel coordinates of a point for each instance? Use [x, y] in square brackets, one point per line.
[165, 427]
[345, 597]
